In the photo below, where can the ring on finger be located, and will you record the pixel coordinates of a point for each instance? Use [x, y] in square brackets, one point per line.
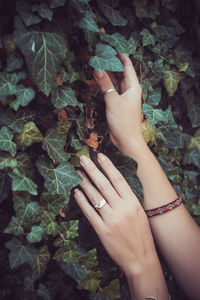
[109, 91]
[101, 204]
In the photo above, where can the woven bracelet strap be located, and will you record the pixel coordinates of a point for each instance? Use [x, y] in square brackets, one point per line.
[165, 208]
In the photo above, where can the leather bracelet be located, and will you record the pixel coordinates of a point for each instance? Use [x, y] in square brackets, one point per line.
[164, 208]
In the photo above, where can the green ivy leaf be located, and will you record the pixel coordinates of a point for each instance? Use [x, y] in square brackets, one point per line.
[24, 10]
[44, 52]
[67, 253]
[65, 76]
[6, 143]
[43, 292]
[20, 254]
[141, 12]
[16, 123]
[35, 235]
[193, 157]
[29, 211]
[56, 3]
[195, 141]
[113, 15]
[53, 203]
[58, 180]
[13, 63]
[54, 144]
[63, 128]
[196, 209]
[120, 43]
[154, 97]
[89, 260]
[42, 260]
[80, 123]
[74, 270]
[7, 161]
[128, 167]
[70, 229]
[7, 87]
[25, 165]
[113, 290]
[171, 80]
[75, 142]
[24, 96]
[30, 135]
[14, 227]
[21, 199]
[175, 138]
[87, 22]
[148, 38]
[43, 10]
[154, 115]
[193, 108]
[90, 281]
[75, 159]
[49, 225]
[63, 96]
[105, 59]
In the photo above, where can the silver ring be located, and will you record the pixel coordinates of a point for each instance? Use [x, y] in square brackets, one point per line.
[109, 91]
[101, 204]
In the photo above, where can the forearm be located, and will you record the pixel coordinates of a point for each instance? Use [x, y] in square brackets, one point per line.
[176, 233]
[148, 281]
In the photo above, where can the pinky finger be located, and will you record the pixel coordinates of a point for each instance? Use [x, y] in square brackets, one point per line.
[89, 212]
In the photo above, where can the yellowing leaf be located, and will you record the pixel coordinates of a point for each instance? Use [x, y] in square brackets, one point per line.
[195, 141]
[75, 158]
[171, 80]
[181, 64]
[90, 281]
[30, 135]
[149, 133]
[113, 290]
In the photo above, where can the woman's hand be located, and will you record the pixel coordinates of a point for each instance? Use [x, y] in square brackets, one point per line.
[121, 224]
[123, 107]
[122, 227]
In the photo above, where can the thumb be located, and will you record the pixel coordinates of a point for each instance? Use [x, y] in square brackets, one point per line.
[105, 84]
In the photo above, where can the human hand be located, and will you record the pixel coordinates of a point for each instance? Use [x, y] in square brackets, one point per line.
[123, 106]
[121, 224]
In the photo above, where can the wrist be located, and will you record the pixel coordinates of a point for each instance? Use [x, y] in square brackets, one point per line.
[135, 148]
[147, 279]
[145, 266]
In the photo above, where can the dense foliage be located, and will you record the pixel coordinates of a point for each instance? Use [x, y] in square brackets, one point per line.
[51, 112]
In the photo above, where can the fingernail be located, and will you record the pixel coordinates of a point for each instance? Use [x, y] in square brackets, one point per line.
[101, 157]
[84, 160]
[77, 192]
[98, 75]
[81, 173]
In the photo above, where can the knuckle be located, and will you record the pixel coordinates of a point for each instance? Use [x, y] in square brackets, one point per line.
[88, 212]
[91, 167]
[104, 186]
[118, 179]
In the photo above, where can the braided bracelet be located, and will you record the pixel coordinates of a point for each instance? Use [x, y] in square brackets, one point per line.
[165, 208]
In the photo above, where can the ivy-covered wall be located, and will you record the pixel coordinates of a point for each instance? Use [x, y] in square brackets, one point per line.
[52, 112]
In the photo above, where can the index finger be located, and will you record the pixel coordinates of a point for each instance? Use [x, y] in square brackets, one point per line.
[105, 83]
[130, 76]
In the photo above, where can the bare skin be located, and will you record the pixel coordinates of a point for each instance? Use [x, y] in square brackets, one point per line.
[176, 233]
[122, 227]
